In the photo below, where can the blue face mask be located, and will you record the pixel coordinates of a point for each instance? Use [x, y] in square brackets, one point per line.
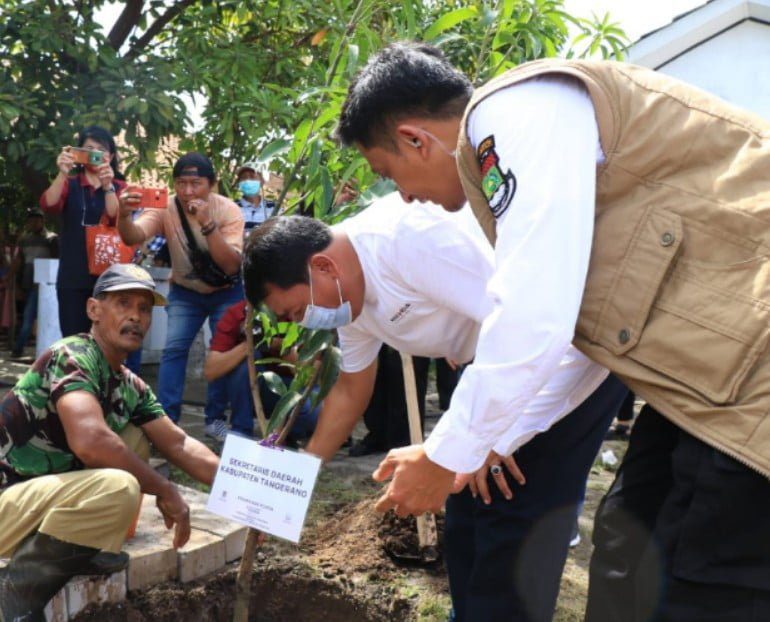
[324, 318]
[250, 187]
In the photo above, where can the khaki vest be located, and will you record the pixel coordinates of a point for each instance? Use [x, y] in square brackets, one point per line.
[677, 299]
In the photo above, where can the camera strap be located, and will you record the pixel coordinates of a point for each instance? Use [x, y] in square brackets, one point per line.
[191, 241]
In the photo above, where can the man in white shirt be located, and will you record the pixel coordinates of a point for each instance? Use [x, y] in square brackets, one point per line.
[535, 142]
[415, 279]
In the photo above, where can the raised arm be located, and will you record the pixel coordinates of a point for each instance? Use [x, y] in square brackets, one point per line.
[130, 231]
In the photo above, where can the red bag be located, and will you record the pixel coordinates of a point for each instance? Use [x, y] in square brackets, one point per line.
[105, 247]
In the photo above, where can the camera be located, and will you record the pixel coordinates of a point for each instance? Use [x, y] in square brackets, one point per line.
[151, 197]
[86, 156]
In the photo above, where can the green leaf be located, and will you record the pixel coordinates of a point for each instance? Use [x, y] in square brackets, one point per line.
[274, 382]
[317, 343]
[327, 376]
[282, 411]
[273, 149]
[290, 338]
[449, 20]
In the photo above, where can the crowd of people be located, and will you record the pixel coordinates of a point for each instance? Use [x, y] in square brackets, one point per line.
[610, 235]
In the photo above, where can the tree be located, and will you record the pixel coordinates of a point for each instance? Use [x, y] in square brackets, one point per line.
[270, 75]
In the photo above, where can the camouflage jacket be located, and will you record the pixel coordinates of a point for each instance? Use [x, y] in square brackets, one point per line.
[32, 439]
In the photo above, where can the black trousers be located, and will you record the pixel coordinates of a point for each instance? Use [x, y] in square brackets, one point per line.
[386, 417]
[446, 381]
[73, 318]
[683, 534]
[505, 559]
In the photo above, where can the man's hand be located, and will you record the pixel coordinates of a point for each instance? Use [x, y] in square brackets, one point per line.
[176, 513]
[494, 466]
[418, 485]
[200, 210]
[128, 203]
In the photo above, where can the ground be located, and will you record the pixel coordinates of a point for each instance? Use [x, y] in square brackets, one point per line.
[344, 569]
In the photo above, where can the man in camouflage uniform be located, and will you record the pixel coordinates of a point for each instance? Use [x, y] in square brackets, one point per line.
[74, 444]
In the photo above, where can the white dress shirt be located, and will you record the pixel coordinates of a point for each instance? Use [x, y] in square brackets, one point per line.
[546, 139]
[426, 274]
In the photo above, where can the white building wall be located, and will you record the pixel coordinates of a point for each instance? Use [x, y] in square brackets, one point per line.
[734, 65]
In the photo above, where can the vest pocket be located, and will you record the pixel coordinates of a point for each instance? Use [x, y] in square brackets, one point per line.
[701, 324]
[624, 313]
[706, 327]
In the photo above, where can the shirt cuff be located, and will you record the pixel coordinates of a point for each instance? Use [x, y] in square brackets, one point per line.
[457, 450]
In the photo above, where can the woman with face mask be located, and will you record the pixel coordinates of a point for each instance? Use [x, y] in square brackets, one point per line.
[254, 207]
[80, 194]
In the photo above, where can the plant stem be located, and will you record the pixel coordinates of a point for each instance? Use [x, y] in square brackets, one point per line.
[260, 410]
[295, 413]
[243, 581]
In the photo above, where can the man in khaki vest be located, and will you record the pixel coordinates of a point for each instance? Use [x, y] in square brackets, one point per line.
[629, 214]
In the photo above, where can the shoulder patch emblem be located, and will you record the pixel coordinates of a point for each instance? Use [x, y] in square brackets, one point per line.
[498, 187]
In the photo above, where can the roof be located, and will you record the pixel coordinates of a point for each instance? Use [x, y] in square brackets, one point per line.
[693, 28]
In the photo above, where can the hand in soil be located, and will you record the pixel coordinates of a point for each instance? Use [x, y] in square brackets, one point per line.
[418, 485]
[478, 482]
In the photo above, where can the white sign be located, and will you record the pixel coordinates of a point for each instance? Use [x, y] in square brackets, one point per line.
[265, 488]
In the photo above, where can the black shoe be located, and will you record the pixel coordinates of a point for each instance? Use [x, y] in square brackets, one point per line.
[618, 432]
[39, 568]
[17, 354]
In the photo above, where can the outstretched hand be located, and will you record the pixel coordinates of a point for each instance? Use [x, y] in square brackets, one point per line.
[417, 486]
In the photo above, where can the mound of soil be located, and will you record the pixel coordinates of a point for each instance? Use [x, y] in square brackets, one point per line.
[358, 539]
[343, 573]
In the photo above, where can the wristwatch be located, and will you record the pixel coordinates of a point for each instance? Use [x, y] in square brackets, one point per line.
[110, 190]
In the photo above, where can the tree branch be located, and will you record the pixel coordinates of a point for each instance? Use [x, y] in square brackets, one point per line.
[127, 21]
[157, 26]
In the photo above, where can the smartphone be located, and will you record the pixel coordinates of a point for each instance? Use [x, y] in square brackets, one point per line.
[86, 156]
[151, 197]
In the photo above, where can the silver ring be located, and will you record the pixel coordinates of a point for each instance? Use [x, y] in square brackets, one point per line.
[495, 469]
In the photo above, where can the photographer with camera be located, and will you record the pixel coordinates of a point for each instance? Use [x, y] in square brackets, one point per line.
[205, 239]
[81, 200]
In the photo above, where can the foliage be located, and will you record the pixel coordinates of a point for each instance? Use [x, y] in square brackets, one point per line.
[312, 357]
[291, 129]
[269, 77]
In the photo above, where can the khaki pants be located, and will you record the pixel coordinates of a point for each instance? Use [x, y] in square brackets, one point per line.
[93, 507]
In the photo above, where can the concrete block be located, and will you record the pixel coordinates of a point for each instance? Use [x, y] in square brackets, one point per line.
[203, 554]
[82, 591]
[56, 609]
[152, 562]
[233, 534]
[153, 558]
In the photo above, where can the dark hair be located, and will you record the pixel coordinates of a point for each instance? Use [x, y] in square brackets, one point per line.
[103, 137]
[403, 79]
[194, 160]
[277, 252]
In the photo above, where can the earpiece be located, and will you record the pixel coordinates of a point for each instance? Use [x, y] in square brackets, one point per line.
[416, 142]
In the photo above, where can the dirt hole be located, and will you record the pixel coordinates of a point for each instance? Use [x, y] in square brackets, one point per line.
[343, 572]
